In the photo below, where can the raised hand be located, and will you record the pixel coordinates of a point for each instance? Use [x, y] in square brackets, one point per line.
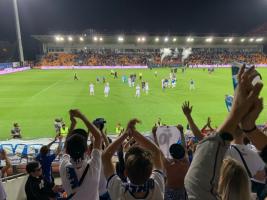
[132, 123]
[186, 108]
[75, 113]
[248, 122]
[246, 93]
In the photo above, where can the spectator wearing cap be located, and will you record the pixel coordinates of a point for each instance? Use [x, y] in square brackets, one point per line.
[80, 175]
[36, 187]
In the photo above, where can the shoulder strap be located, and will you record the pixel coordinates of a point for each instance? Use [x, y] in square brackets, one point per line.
[80, 181]
[243, 160]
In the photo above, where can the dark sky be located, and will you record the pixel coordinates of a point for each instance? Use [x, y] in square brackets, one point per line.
[144, 16]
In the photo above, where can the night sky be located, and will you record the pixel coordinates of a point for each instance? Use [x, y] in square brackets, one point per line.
[141, 16]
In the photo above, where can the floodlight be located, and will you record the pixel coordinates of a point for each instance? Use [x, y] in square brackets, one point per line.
[57, 38]
[174, 39]
[251, 39]
[143, 39]
[70, 38]
[95, 38]
[166, 39]
[242, 40]
[156, 39]
[81, 39]
[120, 39]
[225, 40]
[230, 39]
[190, 39]
[100, 39]
[259, 39]
[138, 39]
[210, 39]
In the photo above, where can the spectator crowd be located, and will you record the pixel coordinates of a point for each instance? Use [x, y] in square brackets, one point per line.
[225, 163]
[109, 57]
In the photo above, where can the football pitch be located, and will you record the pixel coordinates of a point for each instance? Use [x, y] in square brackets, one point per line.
[35, 98]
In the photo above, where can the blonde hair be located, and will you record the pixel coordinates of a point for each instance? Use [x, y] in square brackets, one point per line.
[234, 182]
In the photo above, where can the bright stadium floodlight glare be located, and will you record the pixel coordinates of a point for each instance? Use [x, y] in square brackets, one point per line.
[259, 39]
[156, 39]
[242, 40]
[61, 39]
[95, 38]
[138, 39]
[174, 39]
[251, 39]
[209, 39]
[143, 39]
[57, 38]
[81, 39]
[230, 39]
[190, 39]
[225, 40]
[70, 38]
[166, 39]
[120, 39]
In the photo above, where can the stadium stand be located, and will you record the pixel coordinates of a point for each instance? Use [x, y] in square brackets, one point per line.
[113, 58]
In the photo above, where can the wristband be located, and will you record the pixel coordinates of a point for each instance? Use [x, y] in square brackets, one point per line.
[250, 130]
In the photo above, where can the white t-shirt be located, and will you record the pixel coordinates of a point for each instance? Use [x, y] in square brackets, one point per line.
[138, 89]
[91, 87]
[253, 160]
[106, 90]
[102, 183]
[89, 187]
[117, 190]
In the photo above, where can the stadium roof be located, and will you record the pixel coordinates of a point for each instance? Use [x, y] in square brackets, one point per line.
[140, 40]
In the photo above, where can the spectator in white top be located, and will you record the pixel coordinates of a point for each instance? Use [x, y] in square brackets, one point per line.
[80, 176]
[251, 160]
[143, 169]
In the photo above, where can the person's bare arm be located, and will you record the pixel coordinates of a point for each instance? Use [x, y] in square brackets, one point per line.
[8, 163]
[246, 99]
[90, 126]
[187, 109]
[72, 124]
[105, 138]
[108, 153]
[146, 143]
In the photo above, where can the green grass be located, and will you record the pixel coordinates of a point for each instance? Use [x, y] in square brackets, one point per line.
[35, 98]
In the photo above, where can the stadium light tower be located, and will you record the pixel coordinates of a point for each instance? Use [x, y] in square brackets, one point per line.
[21, 55]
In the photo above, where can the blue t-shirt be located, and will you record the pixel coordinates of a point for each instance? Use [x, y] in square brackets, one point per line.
[46, 163]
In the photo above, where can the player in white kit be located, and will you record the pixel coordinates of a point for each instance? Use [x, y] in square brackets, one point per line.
[138, 91]
[146, 88]
[92, 89]
[106, 90]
